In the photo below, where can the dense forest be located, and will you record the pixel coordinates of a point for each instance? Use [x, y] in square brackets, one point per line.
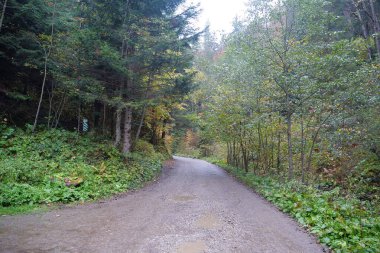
[94, 95]
[86, 94]
[289, 103]
[121, 65]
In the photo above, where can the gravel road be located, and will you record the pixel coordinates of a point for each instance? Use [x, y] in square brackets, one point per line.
[194, 207]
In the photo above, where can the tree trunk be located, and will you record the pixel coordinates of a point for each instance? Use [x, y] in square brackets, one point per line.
[272, 145]
[290, 145]
[244, 154]
[3, 14]
[51, 96]
[42, 94]
[278, 164]
[141, 123]
[308, 166]
[363, 27]
[259, 146]
[302, 149]
[127, 141]
[228, 153]
[60, 109]
[118, 127]
[376, 28]
[266, 152]
[104, 119]
[47, 54]
[56, 112]
[78, 123]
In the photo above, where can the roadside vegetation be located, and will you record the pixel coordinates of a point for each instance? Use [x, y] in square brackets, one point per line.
[340, 220]
[58, 166]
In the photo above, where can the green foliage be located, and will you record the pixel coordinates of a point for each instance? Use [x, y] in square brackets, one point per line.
[145, 147]
[365, 179]
[61, 166]
[344, 224]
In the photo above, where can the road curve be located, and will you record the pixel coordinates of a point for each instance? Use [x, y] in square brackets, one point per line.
[194, 207]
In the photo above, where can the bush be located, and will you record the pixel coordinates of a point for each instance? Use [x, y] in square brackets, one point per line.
[61, 166]
[144, 147]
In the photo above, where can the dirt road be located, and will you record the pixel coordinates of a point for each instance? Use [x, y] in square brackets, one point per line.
[194, 207]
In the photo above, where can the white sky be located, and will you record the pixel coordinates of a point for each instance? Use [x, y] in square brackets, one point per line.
[220, 13]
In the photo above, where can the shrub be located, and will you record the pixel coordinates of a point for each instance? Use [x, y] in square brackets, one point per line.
[61, 166]
[144, 147]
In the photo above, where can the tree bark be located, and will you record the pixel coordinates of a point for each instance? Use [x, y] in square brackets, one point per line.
[51, 96]
[78, 123]
[259, 146]
[290, 145]
[119, 110]
[118, 127]
[363, 27]
[141, 123]
[104, 118]
[127, 130]
[42, 94]
[60, 109]
[278, 148]
[47, 54]
[302, 149]
[376, 28]
[308, 166]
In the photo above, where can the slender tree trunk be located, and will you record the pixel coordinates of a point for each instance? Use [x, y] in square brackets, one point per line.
[127, 130]
[259, 146]
[60, 109]
[56, 112]
[228, 153]
[104, 118]
[236, 159]
[243, 151]
[266, 152]
[363, 27]
[141, 123]
[144, 109]
[118, 127]
[41, 95]
[51, 96]
[272, 145]
[78, 123]
[3, 14]
[290, 145]
[302, 149]
[278, 164]
[376, 28]
[308, 166]
[47, 54]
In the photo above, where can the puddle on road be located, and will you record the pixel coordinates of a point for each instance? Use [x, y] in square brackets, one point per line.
[192, 247]
[183, 198]
[208, 221]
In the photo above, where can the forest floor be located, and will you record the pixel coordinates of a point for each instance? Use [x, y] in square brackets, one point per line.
[194, 207]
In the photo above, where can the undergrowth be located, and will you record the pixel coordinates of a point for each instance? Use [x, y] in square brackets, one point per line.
[61, 166]
[343, 223]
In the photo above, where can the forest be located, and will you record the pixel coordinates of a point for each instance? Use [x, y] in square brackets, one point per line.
[289, 104]
[96, 95]
[86, 94]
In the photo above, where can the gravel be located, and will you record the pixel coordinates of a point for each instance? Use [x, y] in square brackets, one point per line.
[194, 207]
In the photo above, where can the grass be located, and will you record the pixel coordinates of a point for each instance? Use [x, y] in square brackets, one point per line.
[23, 209]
